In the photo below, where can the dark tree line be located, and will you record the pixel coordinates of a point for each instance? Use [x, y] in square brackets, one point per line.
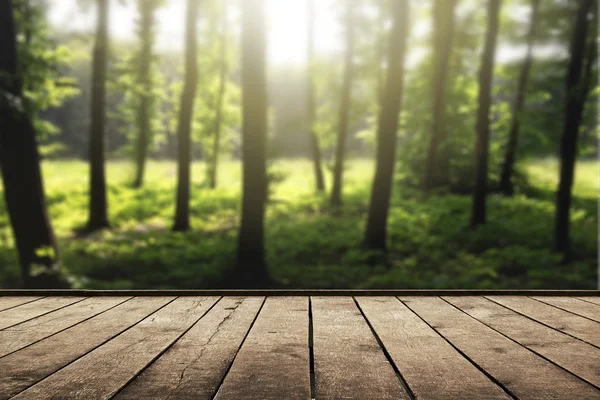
[20, 159]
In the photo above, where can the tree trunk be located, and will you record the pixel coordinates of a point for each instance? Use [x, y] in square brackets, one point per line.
[438, 157]
[188, 95]
[342, 133]
[214, 162]
[251, 265]
[506, 186]
[483, 115]
[143, 117]
[376, 231]
[98, 212]
[314, 138]
[23, 185]
[575, 100]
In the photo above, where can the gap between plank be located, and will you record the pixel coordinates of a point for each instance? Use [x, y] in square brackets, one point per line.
[403, 382]
[542, 323]
[481, 369]
[525, 347]
[311, 352]
[68, 327]
[238, 350]
[98, 346]
[41, 315]
[164, 350]
[564, 309]
[22, 304]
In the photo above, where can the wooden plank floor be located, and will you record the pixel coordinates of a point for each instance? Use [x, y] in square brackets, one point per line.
[210, 346]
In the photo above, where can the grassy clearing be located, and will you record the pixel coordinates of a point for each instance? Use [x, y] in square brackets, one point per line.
[309, 245]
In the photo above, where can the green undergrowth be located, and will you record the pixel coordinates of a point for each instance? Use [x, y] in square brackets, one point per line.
[310, 245]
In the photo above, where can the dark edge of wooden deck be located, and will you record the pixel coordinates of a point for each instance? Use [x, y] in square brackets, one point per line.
[299, 292]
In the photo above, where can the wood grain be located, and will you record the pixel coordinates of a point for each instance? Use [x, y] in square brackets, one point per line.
[195, 366]
[53, 353]
[273, 362]
[432, 368]
[572, 354]
[522, 372]
[564, 321]
[102, 372]
[7, 302]
[591, 299]
[27, 311]
[349, 364]
[26, 333]
[571, 304]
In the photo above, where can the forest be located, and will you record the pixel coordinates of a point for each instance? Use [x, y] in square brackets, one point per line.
[188, 144]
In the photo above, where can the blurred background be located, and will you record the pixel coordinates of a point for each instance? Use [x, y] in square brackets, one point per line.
[509, 142]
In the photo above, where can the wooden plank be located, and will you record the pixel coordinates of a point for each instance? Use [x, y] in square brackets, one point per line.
[102, 372]
[273, 362]
[571, 304]
[195, 365]
[33, 330]
[572, 354]
[432, 368]
[561, 320]
[591, 299]
[34, 309]
[522, 372]
[53, 353]
[298, 292]
[348, 360]
[7, 302]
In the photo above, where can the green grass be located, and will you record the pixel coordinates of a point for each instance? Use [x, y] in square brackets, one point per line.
[308, 244]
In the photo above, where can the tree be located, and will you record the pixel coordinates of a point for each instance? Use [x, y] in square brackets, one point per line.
[483, 114]
[376, 231]
[182, 210]
[506, 186]
[577, 86]
[437, 164]
[251, 264]
[20, 161]
[314, 138]
[342, 128]
[223, 70]
[147, 9]
[98, 211]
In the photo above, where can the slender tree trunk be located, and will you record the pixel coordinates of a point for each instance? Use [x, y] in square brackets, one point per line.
[182, 210]
[376, 231]
[506, 186]
[98, 212]
[314, 138]
[214, 162]
[438, 157]
[575, 101]
[251, 264]
[483, 115]
[342, 133]
[143, 118]
[19, 157]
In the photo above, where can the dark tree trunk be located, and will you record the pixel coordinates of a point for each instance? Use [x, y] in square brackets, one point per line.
[214, 162]
[483, 115]
[438, 157]
[251, 265]
[314, 138]
[19, 157]
[143, 118]
[506, 185]
[376, 231]
[182, 210]
[342, 133]
[575, 100]
[98, 212]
